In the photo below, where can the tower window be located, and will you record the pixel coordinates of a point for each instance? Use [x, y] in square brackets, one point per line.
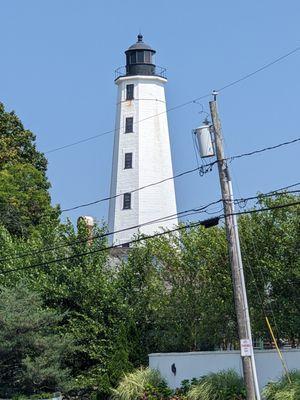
[129, 125]
[129, 92]
[127, 201]
[140, 56]
[128, 161]
[147, 56]
[133, 58]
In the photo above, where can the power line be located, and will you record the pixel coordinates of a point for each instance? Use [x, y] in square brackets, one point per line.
[135, 123]
[102, 249]
[259, 69]
[269, 194]
[262, 150]
[241, 202]
[235, 82]
[254, 211]
[140, 239]
[203, 169]
[185, 213]
[286, 187]
[103, 235]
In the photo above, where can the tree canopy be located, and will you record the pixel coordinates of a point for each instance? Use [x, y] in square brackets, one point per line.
[31, 350]
[17, 144]
[172, 293]
[69, 314]
[24, 197]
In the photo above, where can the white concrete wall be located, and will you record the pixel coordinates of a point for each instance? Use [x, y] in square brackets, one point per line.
[152, 162]
[196, 364]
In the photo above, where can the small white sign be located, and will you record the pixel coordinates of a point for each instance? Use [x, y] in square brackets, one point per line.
[246, 349]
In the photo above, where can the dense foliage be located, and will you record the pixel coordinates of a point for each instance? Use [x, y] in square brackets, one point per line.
[283, 389]
[31, 350]
[147, 384]
[171, 293]
[143, 383]
[24, 197]
[224, 385]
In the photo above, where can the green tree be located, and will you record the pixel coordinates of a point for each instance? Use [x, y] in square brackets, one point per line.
[82, 288]
[143, 295]
[17, 144]
[200, 309]
[172, 293]
[178, 289]
[271, 251]
[24, 197]
[178, 292]
[31, 350]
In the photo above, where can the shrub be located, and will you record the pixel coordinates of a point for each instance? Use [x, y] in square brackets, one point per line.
[144, 383]
[223, 385]
[283, 389]
[186, 386]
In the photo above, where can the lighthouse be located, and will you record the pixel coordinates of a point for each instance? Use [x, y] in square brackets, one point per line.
[140, 203]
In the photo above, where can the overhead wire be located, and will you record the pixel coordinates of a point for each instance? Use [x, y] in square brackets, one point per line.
[147, 237]
[259, 69]
[241, 202]
[275, 207]
[102, 248]
[230, 84]
[261, 150]
[203, 169]
[106, 234]
[184, 213]
[158, 234]
[122, 127]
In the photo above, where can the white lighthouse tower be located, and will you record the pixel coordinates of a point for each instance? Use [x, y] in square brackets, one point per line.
[142, 154]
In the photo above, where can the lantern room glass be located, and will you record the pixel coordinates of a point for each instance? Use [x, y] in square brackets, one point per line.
[140, 57]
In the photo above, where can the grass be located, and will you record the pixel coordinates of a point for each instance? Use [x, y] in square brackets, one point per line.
[223, 385]
[283, 389]
[134, 385]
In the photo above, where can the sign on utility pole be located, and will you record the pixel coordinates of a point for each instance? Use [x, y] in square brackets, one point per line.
[239, 288]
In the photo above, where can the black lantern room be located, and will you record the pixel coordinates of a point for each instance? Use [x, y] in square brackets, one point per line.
[139, 58]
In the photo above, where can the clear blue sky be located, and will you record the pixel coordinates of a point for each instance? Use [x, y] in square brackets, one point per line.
[57, 72]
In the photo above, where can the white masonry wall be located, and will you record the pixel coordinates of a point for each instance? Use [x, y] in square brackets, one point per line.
[199, 363]
[150, 145]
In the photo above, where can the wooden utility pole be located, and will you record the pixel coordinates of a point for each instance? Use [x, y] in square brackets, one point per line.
[240, 296]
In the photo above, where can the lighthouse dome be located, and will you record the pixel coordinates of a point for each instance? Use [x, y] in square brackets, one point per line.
[140, 45]
[139, 58]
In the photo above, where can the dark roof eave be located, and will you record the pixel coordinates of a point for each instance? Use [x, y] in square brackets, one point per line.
[140, 46]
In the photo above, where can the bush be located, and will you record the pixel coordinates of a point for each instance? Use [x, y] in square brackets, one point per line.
[223, 385]
[144, 383]
[283, 389]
